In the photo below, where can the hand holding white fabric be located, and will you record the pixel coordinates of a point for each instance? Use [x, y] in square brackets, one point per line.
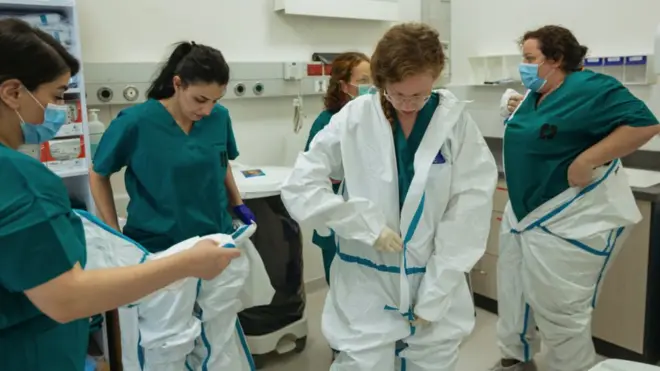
[513, 102]
[207, 260]
[419, 321]
[388, 241]
[509, 102]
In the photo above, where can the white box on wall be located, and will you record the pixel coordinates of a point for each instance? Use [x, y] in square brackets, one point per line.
[368, 10]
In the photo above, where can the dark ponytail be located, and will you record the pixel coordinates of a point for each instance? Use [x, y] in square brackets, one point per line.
[193, 63]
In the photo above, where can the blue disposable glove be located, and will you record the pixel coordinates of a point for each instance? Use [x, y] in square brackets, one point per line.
[245, 214]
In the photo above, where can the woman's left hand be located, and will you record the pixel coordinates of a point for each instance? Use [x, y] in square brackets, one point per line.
[419, 321]
[580, 173]
[245, 214]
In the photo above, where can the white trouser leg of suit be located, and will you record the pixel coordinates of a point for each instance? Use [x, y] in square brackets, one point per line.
[366, 338]
[516, 327]
[130, 338]
[551, 264]
[167, 328]
[222, 344]
[444, 222]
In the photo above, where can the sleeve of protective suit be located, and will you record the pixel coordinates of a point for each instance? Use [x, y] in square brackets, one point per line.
[308, 195]
[462, 233]
[504, 110]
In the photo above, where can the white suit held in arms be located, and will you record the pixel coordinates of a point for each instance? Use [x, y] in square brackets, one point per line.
[191, 325]
[444, 223]
[551, 264]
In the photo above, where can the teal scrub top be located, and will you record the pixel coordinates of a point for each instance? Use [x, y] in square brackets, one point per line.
[40, 239]
[541, 142]
[405, 149]
[175, 180]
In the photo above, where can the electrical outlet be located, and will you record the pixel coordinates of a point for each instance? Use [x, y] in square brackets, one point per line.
[318, 86]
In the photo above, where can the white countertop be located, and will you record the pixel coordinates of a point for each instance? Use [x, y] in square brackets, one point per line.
[260, 186]
[642, 178]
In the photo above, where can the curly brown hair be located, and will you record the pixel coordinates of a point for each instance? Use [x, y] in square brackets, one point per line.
[405, 50]
[559, 44]
[342, 68]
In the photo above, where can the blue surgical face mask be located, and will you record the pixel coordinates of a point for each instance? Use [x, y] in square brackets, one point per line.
[529, 74]
[363, 89]
[55, 116]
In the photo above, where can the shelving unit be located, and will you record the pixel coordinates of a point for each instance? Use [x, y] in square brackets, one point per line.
[495, 70]
[437, 14]
[630, 70]
[76, 173]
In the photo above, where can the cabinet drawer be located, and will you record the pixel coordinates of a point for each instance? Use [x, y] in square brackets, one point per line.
[484, 277]
[492, 247]
[501, 197]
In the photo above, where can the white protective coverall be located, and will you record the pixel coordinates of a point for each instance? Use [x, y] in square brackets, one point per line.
[444, 223]
[191, 324]
[551, 264]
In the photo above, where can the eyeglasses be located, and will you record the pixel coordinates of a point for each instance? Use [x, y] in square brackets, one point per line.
[416, 99]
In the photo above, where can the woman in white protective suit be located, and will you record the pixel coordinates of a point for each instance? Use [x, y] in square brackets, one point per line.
[413, 216]
[570, 204]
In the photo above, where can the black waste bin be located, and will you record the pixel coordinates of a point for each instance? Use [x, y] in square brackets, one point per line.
[278, 240]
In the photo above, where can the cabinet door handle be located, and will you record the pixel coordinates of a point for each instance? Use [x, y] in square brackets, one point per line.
[483, 273]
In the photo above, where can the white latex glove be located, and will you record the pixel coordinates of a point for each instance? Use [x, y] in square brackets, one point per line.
[513, 102]
[324, 231]
[509, 102]
[419, 321]
[388, 241]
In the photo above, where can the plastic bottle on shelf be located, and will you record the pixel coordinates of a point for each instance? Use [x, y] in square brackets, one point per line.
[96, 129]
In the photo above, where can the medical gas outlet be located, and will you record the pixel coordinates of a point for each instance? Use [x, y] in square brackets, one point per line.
[104, 94]
[239, 89]
[131, 93]
[258, 88]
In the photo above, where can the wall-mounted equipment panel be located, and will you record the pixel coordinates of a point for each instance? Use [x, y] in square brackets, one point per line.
[128, 83]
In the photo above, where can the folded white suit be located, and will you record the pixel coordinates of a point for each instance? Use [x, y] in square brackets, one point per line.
[191, 325]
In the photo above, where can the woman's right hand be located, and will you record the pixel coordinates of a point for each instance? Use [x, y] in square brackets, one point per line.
[206, 260]
[513, 102]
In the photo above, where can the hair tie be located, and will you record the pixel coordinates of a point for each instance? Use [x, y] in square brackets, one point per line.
[193, 44]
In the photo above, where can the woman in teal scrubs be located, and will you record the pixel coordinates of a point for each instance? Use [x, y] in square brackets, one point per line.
[349, 71]
[571, 122]
[176, 149]
[46, 298]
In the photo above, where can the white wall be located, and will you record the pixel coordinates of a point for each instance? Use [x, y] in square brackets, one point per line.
[486, 27]
[245, 30]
